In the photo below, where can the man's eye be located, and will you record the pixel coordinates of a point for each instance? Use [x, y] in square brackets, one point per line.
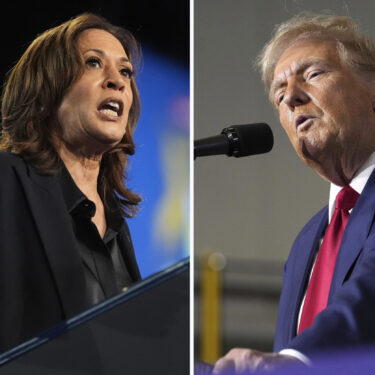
[314, 74]
[279, 99]
[126, 72]
[93, 62]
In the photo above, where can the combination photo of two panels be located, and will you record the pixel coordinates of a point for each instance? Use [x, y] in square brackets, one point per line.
[187, 187]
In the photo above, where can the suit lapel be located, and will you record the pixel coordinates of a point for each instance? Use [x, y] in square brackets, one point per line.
[309, 242]
[298, 271]
[356, 232]
[54, 227]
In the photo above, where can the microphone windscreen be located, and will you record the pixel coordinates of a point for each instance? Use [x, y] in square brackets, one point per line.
[253, 139]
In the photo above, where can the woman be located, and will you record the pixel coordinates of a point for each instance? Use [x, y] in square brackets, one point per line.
[69, 109]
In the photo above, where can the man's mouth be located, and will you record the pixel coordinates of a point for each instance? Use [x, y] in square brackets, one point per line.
[301, 119]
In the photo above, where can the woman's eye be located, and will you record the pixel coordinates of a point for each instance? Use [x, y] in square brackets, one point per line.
[93, 62]
[126, 72]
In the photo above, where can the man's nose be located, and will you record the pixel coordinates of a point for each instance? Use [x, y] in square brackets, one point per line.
[295, 96]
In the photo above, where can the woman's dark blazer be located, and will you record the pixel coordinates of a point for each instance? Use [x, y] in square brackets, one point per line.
[41, 274]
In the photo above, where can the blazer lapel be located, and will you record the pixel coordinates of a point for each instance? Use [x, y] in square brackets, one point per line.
[54, 227]
[128, 253]
[356, 232]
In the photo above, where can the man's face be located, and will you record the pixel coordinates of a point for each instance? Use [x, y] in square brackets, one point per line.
[325, 108]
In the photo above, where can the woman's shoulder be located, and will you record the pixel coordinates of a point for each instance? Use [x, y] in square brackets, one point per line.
[15, 165]
[10, 162]
[13, 169]
[9, 159]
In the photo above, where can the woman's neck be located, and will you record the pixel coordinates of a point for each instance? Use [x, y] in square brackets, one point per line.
[84, 171]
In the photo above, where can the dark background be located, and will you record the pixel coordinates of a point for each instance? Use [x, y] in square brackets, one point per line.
[161, 25]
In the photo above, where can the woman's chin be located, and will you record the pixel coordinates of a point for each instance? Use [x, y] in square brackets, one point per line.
[107, 139]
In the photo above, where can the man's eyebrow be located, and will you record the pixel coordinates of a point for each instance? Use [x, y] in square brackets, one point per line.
[101, 52]
[299, 68]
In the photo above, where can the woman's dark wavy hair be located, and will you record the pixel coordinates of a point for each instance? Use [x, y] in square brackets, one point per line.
[34, 90]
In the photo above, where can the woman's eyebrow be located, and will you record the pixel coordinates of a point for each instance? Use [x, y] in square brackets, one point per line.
[101, 52]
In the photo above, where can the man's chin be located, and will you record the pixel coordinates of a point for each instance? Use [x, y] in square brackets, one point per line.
[310, 150]
[321, 162]
[314, 156]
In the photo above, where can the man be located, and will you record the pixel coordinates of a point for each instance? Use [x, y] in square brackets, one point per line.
[319, 72]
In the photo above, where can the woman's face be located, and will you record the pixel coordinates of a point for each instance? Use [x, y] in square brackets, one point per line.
[94, 112]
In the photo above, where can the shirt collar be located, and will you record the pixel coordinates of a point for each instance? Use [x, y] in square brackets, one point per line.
[357, 183]
[71, 193]
[73, 197]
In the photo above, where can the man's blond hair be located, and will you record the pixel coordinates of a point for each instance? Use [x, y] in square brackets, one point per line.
[356, 49]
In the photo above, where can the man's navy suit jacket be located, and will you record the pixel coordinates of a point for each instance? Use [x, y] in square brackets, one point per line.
[41, 273]
[349, 318]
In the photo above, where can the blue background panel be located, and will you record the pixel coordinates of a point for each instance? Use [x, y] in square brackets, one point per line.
[159, 170]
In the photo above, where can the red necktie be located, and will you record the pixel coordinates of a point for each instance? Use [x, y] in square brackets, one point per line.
[321, 278]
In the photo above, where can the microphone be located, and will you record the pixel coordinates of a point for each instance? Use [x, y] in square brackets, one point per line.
[236, 140]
